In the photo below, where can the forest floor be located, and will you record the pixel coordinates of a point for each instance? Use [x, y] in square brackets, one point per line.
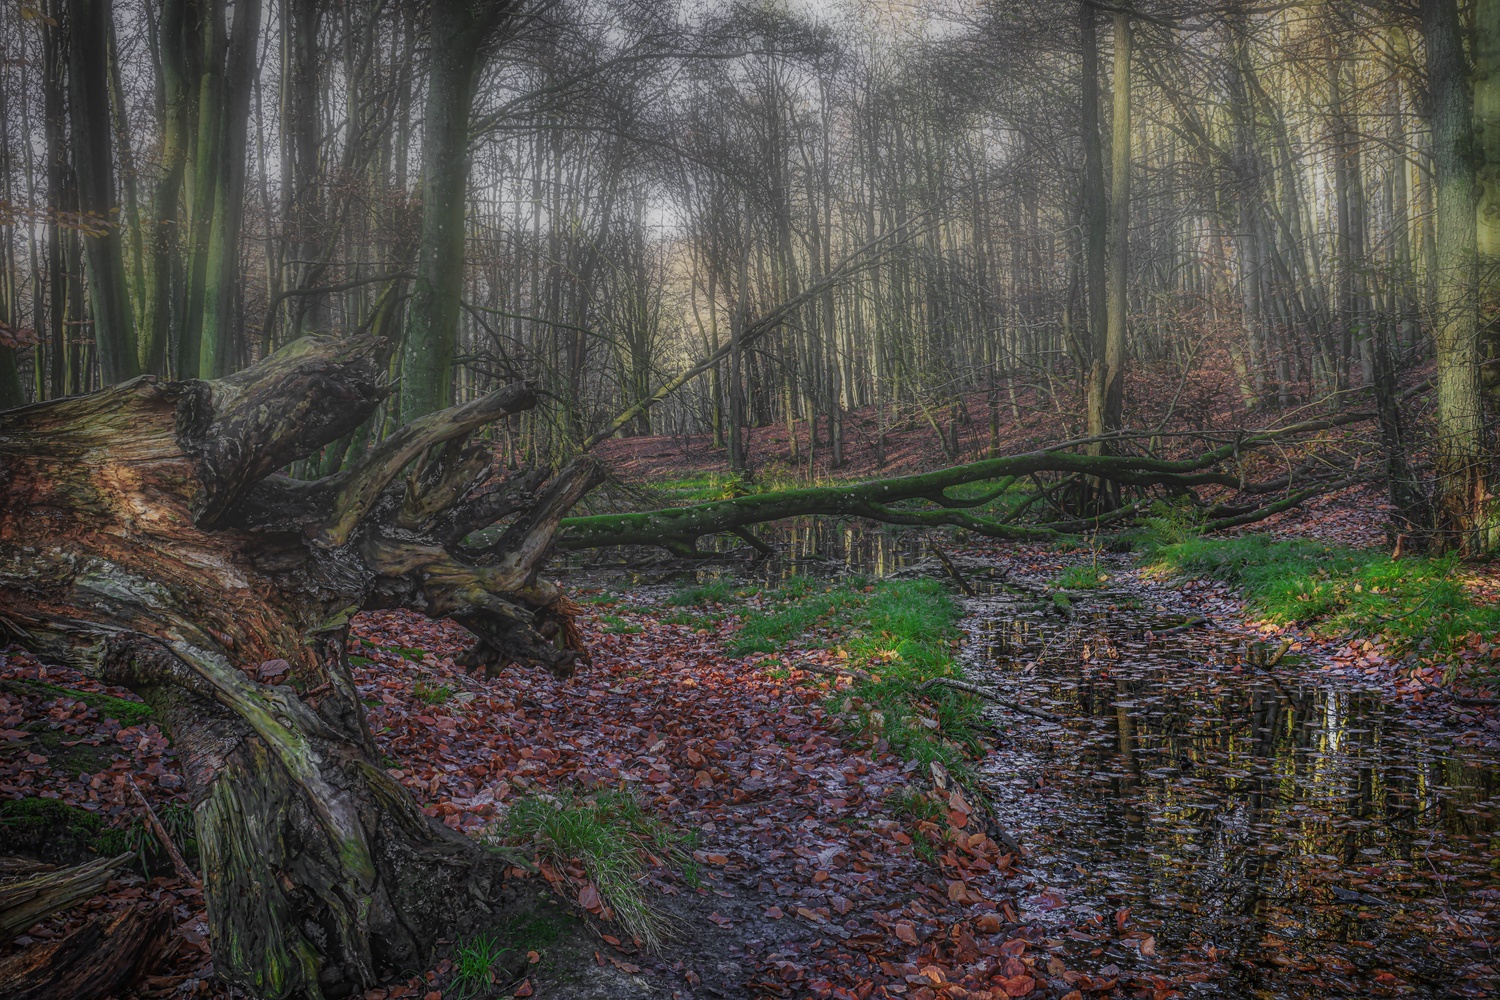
[802, 854]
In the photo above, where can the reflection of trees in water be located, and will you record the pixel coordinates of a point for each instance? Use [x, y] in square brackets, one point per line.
[1306, 777]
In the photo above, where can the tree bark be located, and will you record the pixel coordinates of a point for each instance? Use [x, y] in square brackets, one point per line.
[147, 540]
[1107, 385]
[462, 34]
[101, 959]
[1463, 504]
[93, 155]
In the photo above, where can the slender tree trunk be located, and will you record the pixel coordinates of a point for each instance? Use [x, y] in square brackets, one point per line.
[1464, 515]
[462, 34]
[1107, 384]
[231, 117]
[93, 151]
[1487, 136]
[61, 196]
[1112, 389]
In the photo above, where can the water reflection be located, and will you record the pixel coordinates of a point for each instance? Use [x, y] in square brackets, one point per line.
[1297, 824]
[806, 546]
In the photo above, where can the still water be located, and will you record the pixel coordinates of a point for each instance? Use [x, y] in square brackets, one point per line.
[1294, 833]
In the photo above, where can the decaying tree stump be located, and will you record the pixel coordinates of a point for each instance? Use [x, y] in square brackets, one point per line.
[148, 540]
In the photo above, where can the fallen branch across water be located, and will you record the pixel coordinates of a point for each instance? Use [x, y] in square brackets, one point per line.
[1191, 624]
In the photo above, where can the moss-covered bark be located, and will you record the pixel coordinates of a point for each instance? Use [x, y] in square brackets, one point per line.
[147, 540]
[926, 500]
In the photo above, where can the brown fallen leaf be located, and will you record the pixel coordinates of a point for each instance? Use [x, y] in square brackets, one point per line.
[1017, 986]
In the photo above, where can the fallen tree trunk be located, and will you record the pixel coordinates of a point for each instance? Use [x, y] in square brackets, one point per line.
[147, 540]
[38, 894]
[927, 500]
[101, 959]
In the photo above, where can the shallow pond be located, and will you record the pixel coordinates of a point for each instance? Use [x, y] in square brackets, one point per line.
[1289, 829]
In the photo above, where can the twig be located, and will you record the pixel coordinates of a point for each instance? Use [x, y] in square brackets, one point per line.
[988, 695]
[855, 672]
[1265, 665]
[178, 861]
[952, 569]
[1194, 623]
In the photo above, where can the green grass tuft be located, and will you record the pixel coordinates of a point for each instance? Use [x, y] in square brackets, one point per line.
[432, 693]
[474, 964]
[796, 611]
[1084, 576]
[613, 839]
[713, 592]
[900, 631]
[615, 625]
[1413, 603]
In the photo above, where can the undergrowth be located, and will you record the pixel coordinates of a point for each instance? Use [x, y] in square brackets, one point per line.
[1415, 602]
[613, 840]
[899, 633]
[1083, 576]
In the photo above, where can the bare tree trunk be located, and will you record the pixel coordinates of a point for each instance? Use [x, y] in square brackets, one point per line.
[93, 155]
[1464, 510]
[1107, 386]
[1487, 138]
[462, 35]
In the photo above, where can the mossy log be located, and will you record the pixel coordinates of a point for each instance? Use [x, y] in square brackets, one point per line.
[147, 539]
[926, 499]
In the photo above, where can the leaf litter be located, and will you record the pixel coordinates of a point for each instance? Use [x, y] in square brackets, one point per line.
[812, 882]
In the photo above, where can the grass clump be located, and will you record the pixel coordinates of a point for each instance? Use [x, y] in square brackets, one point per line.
[795, 609]
[486, 962]
[899, 632]
[1413, 602]
[713, 592]
[613, 840]
[431, 693]
[474, 963]
[692, 620]
[904, 636]
[615, 625]
[1084, 576]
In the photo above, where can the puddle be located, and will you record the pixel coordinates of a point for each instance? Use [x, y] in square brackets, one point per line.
[1291, 832]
